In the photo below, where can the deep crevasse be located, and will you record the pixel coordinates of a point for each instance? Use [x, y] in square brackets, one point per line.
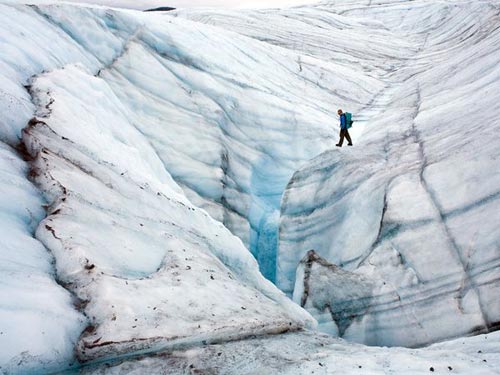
[320, 33]
[102, 96]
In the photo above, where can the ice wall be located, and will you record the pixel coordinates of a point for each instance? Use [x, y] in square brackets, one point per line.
[333, 40]
[415, 205]
[151, 271]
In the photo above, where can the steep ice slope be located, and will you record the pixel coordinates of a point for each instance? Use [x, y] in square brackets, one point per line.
[415, 207]
[119, 139]
[334, 39]
[234, 137]
[149, 100]
[213, 125]
[348, 87]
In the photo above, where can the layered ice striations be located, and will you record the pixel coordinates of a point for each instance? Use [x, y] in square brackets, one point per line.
[121, 116]
[151, 271]
[313, 353]
[160, 148]
[414, 209]
[317, 39]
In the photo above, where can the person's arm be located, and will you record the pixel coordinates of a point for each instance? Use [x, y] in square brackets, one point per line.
[342, 121]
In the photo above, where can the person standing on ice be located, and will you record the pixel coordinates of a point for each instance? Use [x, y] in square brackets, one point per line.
[345, 124]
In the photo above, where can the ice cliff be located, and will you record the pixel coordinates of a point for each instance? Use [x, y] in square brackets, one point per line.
[160, 170]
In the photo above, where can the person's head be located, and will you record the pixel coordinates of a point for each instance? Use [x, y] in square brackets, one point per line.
[339, 112]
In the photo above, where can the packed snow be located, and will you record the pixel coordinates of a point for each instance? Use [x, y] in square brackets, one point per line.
[161, 171]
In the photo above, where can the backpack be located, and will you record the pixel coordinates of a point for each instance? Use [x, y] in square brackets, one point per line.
[348, 120]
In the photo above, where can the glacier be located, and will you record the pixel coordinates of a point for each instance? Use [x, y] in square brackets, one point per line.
[161, 171]
[38, 324]
[423, 179]
[120, 228]
[416, 211]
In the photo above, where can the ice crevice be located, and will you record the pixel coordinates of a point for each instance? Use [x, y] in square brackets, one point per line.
[51, 159]
[70, 170]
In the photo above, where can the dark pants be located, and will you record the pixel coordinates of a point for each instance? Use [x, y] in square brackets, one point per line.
[344, 133]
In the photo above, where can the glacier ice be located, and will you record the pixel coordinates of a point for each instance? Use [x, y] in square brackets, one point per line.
[127, 242]
[39, 326]
[321, 286]
[151, 270]
[221, 157]
[416, 209]
[150, 135]
[313, 353]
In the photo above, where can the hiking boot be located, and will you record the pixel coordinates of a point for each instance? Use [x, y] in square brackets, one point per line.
[338, 145]
[349, 144]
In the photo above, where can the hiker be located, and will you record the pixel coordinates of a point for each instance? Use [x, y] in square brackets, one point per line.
[344, 129]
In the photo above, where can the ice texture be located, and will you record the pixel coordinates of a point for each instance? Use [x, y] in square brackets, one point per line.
[313, 353]
[100, 115]
[324, 287]
[231, 137]
[414, 207]
[332, 39]
[160, 146]
[151, 270]
[39, 325]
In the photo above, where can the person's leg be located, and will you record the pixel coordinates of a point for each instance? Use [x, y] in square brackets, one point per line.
[342, 132]
[348, 137]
